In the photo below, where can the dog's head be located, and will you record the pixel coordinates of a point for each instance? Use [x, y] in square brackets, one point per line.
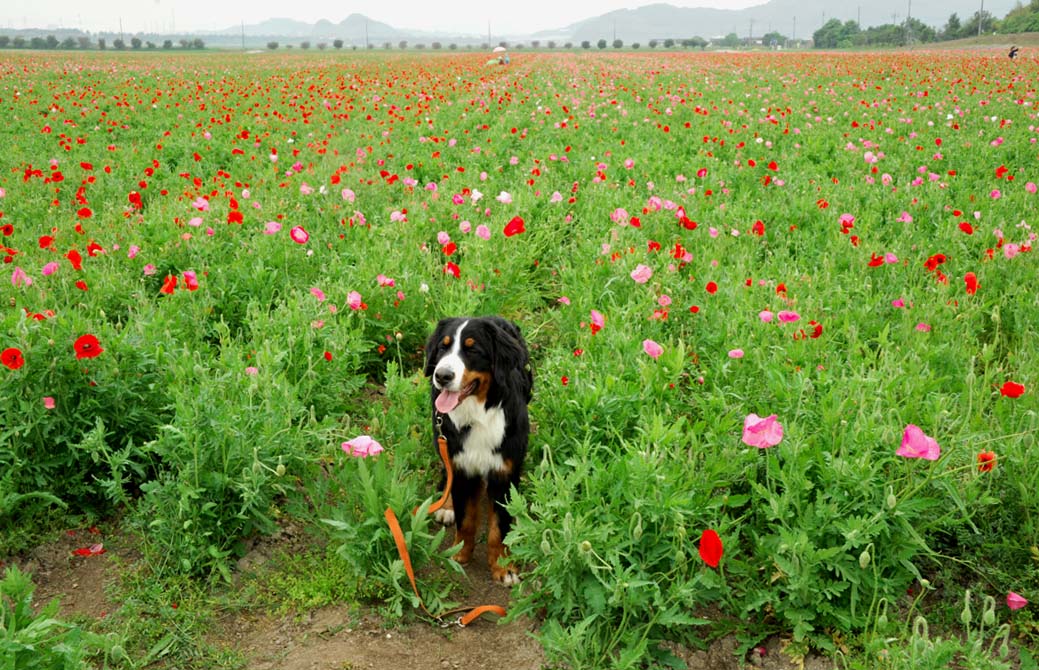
[476, 357]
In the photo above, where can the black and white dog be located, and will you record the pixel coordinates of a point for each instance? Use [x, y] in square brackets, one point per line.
[481, 385]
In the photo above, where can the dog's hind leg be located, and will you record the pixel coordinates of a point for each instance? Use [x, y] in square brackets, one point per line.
[465, 493]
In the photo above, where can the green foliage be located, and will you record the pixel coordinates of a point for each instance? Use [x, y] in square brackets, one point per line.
[363, 489]
[38, 640]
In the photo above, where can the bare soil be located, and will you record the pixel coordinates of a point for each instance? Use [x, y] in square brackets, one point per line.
[341, 637]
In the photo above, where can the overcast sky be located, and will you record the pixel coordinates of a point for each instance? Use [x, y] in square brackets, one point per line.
[463, 16]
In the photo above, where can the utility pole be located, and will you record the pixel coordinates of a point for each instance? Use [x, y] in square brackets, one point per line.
[793, 33]
[243, 34]
[750, 32]
[366, 33]
[121, 30]
[489, 34]
[981, 16]
[909, 27]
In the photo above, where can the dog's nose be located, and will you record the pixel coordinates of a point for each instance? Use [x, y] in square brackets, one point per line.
[444, 377]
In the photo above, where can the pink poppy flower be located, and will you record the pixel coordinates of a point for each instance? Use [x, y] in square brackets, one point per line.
[1031, 187]
[362, 446]
[923, 327]
[483, 232]
[641, 273]
[1015, 601]
[899, 303]
[736, 353]
[652, 349]
[890, 258]
[49, 268]
[354, 300]
[19, 278]
[789, 317]
[299, 235]
[765, 316]
[563, 300]
[195, 221]
[383, 280]
[443, 238]
[133, 251]
[905, 217]
[915, 444]
[504, 198]
[348, 195]
[271, 227]
[762, 432]
[252, 371]
[318, 293]
[48, 402]
[598, 321]
[465, 226]
[201, 204]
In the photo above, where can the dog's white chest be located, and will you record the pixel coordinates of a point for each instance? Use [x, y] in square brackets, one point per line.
[480, 454]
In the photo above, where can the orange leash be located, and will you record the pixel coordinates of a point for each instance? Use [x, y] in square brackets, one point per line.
[402, 548]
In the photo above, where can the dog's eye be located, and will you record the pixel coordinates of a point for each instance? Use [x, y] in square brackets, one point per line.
[469, 343]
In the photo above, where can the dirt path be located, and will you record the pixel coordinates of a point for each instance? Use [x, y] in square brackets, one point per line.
[340, 637]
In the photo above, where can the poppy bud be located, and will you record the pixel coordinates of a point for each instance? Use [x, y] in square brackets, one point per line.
[585, 547]
[864, 559]
[966, 614]
[882, 620]
[546, 548]
[636, 532]
[925, 584]
[988, 617]
[891, 500]
[280, 470]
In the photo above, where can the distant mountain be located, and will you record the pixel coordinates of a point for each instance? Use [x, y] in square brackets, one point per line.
[793, 18]
[796, 18]
[354, 29]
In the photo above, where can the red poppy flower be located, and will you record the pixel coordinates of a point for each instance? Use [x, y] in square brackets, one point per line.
[453, 269]
[971, 280]
[169, 285]
[87, 346]
[711, 549]
[966, 228]
[75, 258]
[514, 227]
[12, 358]
[711, 287]
[1012, 390]
[758, 228]
[986, 461]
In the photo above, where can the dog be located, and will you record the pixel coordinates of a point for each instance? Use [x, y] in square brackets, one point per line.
[480, 386]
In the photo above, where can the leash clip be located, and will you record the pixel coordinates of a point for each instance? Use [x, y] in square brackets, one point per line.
[440, 424]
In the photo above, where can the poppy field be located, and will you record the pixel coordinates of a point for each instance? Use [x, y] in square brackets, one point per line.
[782, 308]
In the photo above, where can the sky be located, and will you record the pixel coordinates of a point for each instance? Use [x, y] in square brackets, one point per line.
[458, 16]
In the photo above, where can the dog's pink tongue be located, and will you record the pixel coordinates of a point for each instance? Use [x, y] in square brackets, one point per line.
[447, 401]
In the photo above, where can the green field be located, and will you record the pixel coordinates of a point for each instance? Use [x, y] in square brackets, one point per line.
[220, 268]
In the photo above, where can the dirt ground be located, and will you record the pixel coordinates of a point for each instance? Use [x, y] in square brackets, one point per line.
[341, 638]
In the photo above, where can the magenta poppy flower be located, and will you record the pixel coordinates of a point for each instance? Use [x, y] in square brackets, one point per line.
[736, 353]
[641, 274]
[789, 317]
[362, 446]
[299, 235]
[598, 321]
[652, 349]
[1015, 601]
[762, 432]
[915, 444]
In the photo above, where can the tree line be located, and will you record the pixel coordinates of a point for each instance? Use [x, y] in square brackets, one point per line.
[836, 34]
[85, 43]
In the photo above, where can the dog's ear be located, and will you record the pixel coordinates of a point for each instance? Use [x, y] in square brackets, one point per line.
[431, 346]
[510, 364]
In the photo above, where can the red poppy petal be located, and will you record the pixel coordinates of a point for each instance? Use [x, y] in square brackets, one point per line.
[711, 549]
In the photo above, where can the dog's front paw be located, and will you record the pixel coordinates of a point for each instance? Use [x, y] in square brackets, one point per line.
[445, 517]
[506, 576]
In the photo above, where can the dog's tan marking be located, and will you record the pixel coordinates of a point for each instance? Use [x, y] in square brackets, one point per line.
[466, 535]
[483, 380]
[496, 550]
